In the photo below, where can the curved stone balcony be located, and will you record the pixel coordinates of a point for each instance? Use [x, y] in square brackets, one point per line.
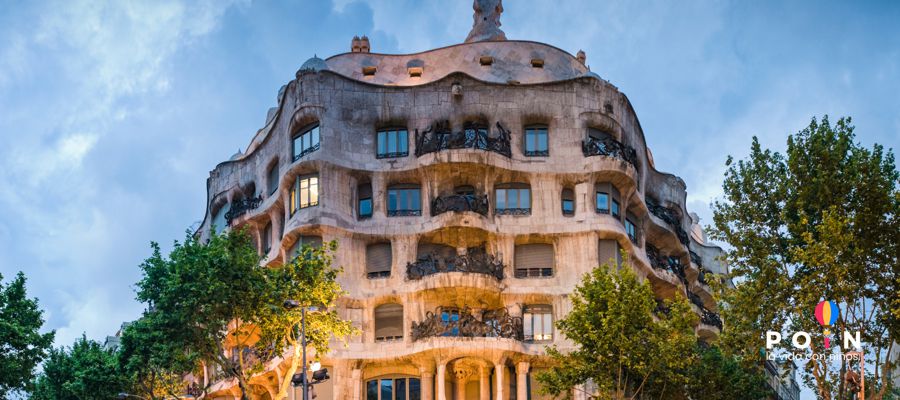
[610, 147]
[459, 203]
[668, 216]
[464, 322]
[477, 263]
[439, 137]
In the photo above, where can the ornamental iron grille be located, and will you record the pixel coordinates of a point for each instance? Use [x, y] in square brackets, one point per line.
[607, 146]
[677, 268]
[695, 258]
[465, 322]
[476, 261]
[241, 207]
[513, 211]
[439, 137]
[670, 217]
[662, 308]
[706, 316]
[460, 202]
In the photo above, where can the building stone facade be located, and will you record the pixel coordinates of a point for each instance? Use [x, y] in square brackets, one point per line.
[469, 189]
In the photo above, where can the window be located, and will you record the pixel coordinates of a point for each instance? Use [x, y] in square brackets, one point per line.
[364, 206]
[307, 141]
[615, 208]
[267, 238]
[305, 192]
[536, 141]
[450, 316]
[514, 198]
[392, 143]
[378, 260]
[534, 260]
[603, 202]
[401, 388]
[568, 202]
[610, 252]
[388, 322]
[404, 200]
[272, 178]
[219, 223]
[537, 323]
[309, 241]
[630, 230]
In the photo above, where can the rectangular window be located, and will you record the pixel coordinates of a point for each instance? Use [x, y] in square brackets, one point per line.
[630, 230]
[267, 238]
[387, 388]
[568, 201]
[615, 208]
[513, 200]
[536, 142]
[372, 390]
[535, 260]
[392, 143]
[404, 201]
[273, 178]
[448, 317]
[306, 142]
[305, 193]
[603, 202]
[538, 323]
[364, 192]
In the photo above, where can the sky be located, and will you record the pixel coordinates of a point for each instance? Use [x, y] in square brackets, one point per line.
[112, 114]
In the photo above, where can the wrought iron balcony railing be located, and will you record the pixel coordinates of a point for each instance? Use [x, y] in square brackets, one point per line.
[669, 217]
[454, 322]
[474, 262]
[404, 213]
[512, 211]
[710, 318]
[241, 207]
[608, 146]
[460, 202]
[439, 137]
[671, 264]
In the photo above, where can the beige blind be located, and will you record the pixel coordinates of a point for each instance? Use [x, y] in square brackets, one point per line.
[378, 257]
[609, 250]
[537, 255]
[389, 321]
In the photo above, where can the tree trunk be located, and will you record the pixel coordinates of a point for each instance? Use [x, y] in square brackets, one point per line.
[285, 385]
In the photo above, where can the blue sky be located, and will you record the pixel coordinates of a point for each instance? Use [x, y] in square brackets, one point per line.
[113, 113]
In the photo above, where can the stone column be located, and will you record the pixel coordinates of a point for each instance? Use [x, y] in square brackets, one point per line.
[427, 380]
[522, 380]
[498, 375]
[460, 388]
[485, 382]
[439, 384]
[356, 384]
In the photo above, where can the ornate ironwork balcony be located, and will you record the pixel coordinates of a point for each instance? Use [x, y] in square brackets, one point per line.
[404, 213]
[670, 217]
[608, 146]
[512, 211]
[710, 318]
[460, 202]
[477, 262]
[453, 322]
[677, 268]
[695, 258]
[241, 207]
[661, 308]
[439, 137]
[671, 264]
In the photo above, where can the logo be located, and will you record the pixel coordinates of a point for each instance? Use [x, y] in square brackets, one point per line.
[827, 313]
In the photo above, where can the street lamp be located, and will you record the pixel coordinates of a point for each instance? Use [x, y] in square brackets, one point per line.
[319, 375]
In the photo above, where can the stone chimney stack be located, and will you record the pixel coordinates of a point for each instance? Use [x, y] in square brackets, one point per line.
[364, 44]
[581, 56]
[355, 44]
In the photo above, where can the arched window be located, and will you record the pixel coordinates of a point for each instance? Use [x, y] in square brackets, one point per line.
[364, 202]
[512, 199]
[394, 388]
[272, 178]
[388, 322]
[535, 260]
[568, 201]
[305, 141]
[404, 200]
[536, 141]
[378, 260]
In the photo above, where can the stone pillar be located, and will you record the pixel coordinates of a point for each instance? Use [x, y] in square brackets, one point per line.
[439, 384]
[485, 382]
[356, 384]
[522, 380]
[460, 388]
[427, 387]
[498, 374]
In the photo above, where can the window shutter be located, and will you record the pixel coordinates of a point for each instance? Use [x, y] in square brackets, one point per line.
[389, 321]
[441, 250]
[364, 191]
[609, 249]
[537, 255]
[378, 257]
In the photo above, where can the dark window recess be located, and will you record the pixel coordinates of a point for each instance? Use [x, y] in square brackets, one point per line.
[537, 62]
[305, 241]
[307, 141]
[394, 389]
[512, 199]
[364, 193]
[404, 201]
[631, 230]
[486, 60]
[273, 178]
[369, 71]
[536, 141]
[603, 203]
[568, 202]
[392, 143]
[534, 260]
[615, 208]
[378, 260]
[267, 238]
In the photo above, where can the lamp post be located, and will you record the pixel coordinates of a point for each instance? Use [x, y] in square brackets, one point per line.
[290, 305]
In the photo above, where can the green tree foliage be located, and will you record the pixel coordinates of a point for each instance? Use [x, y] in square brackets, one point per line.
[819, 222]
[714, 375]
[620, 346]
[84, 371]
[153, 366]
[22, 346]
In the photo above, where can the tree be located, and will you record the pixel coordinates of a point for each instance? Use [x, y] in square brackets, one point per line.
[310, 280]
[84, 371]
[22, 346]
[620, 346]
[202, 294]
[715, 375]
[817, 223]
[153, 365]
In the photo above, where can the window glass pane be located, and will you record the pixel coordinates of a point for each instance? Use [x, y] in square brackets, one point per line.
[305, 145]
[414, 199]
[392, 200]
[365, 207]
[501, 198]
[315, 136]
[548, 326]
[402, 141]
[387, 389]
[568, 206]
[293, 199]
[382, 143]
[314, 190]
[297, 146]
[391, 142]
[542, 141]
[304, 193]
[512, 198]
[524, 198]
[527, 326]
[602, 202]
[415, 389]
[529, 140]
[273, 179]
[615, 208]
[400, 386]
[371, 390]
